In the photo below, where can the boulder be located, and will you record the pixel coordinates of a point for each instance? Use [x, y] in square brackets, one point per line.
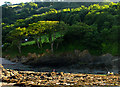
[106, 59]
[85, 56]
[29, 55]
[77, 52]
[24, 59]
[15, 59]
[34, 55]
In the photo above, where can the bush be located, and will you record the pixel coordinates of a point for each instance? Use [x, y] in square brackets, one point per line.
[111, 48]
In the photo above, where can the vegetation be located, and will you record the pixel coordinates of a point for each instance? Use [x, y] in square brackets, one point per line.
[92, 26]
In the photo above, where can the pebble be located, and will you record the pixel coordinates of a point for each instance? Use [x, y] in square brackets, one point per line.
[31, 78]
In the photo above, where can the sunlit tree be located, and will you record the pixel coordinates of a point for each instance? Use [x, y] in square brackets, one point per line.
[16, 36]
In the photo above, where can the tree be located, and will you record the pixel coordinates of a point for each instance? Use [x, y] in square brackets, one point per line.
[41, 28]
[37, 30]
[16, 36]
[22, 4]
[62, 29]
[5, 30]
[51, 28]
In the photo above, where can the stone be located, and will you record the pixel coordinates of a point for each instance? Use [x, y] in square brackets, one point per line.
[39, 55]
[53, 73]
[42, 77]
[77, 52]
[24, 59]
[106, 59]
[85, 56]
[1, 67]
[62, 74]
[34, 55]
[30, 82]
[30, 78]
[29, 55]
[14, 59]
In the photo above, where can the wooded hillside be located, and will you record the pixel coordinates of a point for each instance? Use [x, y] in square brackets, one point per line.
[60, 27]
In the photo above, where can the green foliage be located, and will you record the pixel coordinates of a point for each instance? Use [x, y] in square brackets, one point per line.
[16, 37]
[93, 27]
[110, 48]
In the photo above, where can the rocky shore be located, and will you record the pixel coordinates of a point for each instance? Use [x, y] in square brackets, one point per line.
[72, 60]
[31, 78]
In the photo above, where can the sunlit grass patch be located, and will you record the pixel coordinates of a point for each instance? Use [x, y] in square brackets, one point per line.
[28, 43]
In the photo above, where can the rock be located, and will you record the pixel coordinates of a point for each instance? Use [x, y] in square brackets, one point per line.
[62, 74]
[39, 55]
[1, 67]
[30, 78]
[29, 55]
[42, 77]
[20, 84]
[34, 55]
[15, 60]
[85, 52]
[107, 59]
[53, 73]
[4, 84]
[19, 75]
[11, 73]
[24, 59]
[49, 74]
[85, 56]
[49, 78]
[77, 52]
[4, 78]
[15, 72]
[30, 82]
[5, 73]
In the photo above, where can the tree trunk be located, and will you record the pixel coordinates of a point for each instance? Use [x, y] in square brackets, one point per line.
[57, 45]
[52, 42]
[19, 47]
[50, 38]
[52, 47]
[38, 43]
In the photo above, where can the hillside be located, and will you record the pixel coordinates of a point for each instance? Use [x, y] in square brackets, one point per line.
[47, 33]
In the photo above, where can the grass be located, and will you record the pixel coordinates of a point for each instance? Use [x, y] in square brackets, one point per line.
[28, 43]
[45, 39]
